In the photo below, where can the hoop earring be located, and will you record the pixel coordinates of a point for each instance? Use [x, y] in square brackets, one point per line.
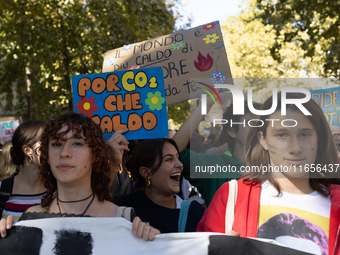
[31, 159]
[148, 183]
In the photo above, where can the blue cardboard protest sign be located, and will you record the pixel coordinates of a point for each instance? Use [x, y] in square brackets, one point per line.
[329, 101]
[133, 99]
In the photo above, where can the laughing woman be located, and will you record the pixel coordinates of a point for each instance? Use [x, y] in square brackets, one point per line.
[156, 167]
[296, 202]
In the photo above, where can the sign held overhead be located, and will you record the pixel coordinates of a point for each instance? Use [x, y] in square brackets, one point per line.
[185, 57]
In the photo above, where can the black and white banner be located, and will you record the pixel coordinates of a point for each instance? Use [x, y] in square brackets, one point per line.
[99, 236]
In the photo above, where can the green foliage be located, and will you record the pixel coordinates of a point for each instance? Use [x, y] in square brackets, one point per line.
[178, 113]
[249, 42]
[315, 24]
[53, 40]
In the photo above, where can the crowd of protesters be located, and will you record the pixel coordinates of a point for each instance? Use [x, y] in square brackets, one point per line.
[64, 168]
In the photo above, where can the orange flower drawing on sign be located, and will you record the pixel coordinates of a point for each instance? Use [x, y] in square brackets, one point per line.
[87, 106]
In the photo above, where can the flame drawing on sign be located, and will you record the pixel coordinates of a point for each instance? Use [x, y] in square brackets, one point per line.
[204, 63]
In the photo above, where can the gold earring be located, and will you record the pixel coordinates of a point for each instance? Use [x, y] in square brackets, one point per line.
[31, 159]
[148, 182]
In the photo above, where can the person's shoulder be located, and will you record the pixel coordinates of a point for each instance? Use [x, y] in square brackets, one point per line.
[223, 190]
[33, 212]
[196, 210]
[7, 183]
[196, 205]
[335, 194]
[35, 208]
[127, 198]
[107, 209]
[225, 185]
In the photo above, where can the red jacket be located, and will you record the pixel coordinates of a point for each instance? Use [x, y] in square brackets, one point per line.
[247, 213]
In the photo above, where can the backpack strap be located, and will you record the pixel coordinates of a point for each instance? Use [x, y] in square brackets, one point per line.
[230, 210]
[5, 192]
[126, 212]
[183, 215]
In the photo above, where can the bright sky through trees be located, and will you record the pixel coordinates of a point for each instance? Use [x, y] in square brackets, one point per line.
[204, 11]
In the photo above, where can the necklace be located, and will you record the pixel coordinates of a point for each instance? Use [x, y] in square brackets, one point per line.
[75, 201]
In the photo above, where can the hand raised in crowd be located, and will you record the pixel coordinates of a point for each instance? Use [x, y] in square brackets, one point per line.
[6, 224]
[118, 143]
[144, 230]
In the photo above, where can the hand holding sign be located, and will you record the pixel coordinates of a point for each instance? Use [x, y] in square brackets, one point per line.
[6, 224]
[144, 230]
[118, 144]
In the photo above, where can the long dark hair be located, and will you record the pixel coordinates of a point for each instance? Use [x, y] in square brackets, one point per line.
[28, 133]
[255, 154]
[147, 154]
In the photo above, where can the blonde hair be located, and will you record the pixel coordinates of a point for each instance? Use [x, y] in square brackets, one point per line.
[7, 168]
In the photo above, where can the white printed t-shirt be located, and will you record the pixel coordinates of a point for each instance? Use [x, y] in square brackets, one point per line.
[300, 222]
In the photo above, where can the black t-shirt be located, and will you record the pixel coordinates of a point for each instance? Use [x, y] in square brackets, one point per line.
[162, 218]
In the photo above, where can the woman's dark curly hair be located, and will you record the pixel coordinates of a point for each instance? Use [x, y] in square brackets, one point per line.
[92, 134]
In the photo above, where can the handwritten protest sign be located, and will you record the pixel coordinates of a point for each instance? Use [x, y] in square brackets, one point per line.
[185, 57]
[7, 126]
[329, 101]
[133, 99]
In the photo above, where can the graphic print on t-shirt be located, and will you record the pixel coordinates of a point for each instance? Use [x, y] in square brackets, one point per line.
[294, 220]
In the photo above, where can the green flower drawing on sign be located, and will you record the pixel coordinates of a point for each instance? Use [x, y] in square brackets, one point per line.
[155, 101]
[177, 45]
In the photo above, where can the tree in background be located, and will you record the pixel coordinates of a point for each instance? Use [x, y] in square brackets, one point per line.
[249, 45]
[45, 42]
[314, 24]
[178, 113]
